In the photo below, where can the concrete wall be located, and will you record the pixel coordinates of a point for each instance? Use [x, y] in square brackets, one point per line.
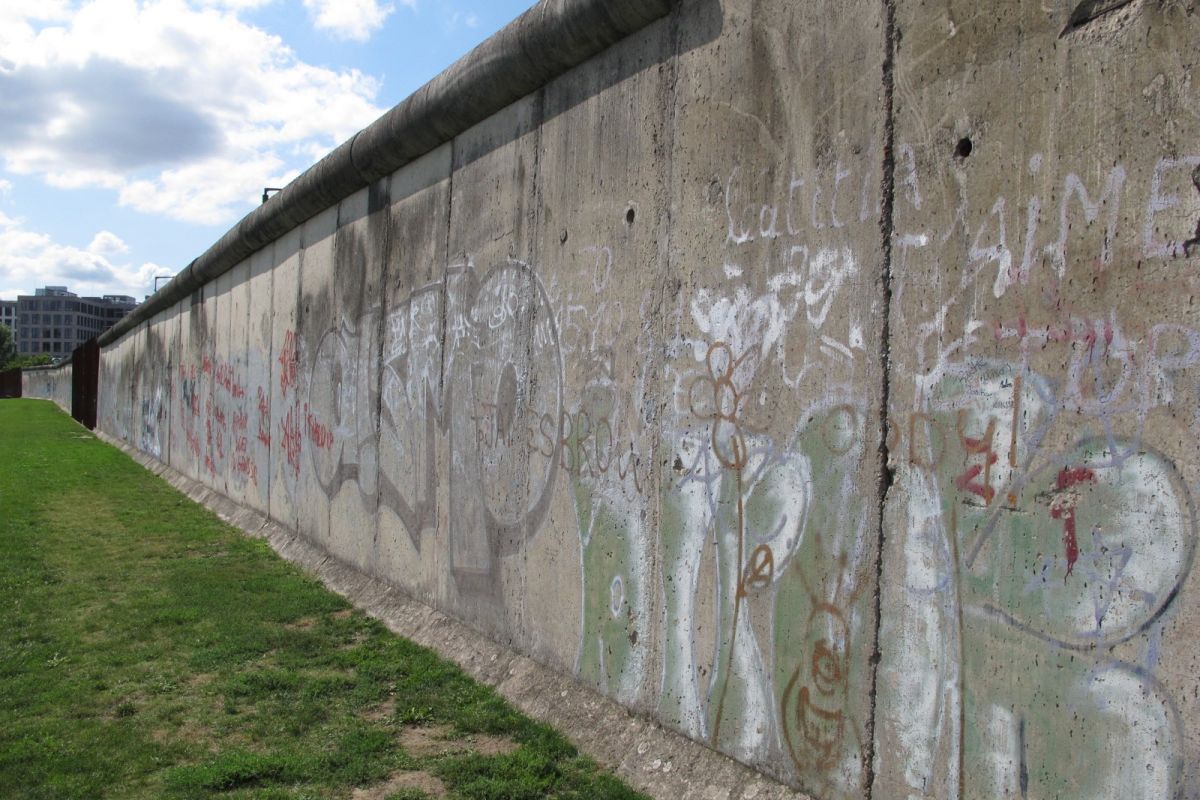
[48, 383]
[821, 379]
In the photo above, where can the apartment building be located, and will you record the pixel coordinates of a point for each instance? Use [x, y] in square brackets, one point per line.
[56, 321]
[8, 315]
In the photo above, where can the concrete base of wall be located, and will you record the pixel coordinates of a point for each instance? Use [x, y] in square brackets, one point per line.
[645, 755]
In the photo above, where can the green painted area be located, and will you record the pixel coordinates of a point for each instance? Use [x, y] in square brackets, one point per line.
[613, 596]
[823, 613]
[147, 650]
[611, 617]
[776, 555]
[1069, 724]
[1054, 557]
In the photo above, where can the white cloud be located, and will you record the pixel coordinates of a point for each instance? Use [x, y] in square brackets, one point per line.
[238, 5]
[5, 186]
[351, 19]
[106, 243]
[207, 189]
[183, 109]
[29, 259]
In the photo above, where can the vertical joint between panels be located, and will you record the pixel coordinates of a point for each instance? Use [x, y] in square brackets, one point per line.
[884, 471]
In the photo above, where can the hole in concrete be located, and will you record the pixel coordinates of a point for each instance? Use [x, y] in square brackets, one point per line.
[963, 148]
[629, 215]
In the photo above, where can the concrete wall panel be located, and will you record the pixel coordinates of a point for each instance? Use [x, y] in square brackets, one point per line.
[154, 388]
[771, 418]
[134, 380]
[313, 412]
[209, 434]
[342, 280]
[105, 396]
[487, 344]
[217, 371]
[113, 391]
[591, 601]
[285, 381]
[173, 332]
[258, 384]
[1043, 410]
[410, 545]
[234, 384]
[168, 329]
[186, 419]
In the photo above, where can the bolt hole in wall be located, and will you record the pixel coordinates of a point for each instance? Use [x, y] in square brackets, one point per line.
[629, 215]
[963, 148]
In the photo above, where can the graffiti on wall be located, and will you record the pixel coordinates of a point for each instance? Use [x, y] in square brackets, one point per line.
[1045, 533]
[720, 470]
[490, 383]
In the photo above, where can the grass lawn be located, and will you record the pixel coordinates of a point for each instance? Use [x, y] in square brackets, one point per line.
[148, 650]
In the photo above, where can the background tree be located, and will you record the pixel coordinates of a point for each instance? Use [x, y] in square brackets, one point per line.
[39, 360]
[8, 348]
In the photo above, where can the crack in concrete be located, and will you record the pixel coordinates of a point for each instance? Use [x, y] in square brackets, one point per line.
[674, 34]
[886, 476]
[381, 330]
[536, 220]
[445, 287]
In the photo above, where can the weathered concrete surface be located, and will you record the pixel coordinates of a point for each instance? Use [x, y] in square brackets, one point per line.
[818, 380]
[770, 464]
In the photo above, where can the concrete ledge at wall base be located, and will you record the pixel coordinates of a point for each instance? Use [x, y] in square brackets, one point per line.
[641, 752]
[538, 46]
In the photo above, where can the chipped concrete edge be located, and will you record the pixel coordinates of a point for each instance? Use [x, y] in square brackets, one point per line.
[647, 756]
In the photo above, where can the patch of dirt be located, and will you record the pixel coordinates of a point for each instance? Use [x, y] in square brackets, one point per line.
[429, 741]
[343, 614]
[415, 779]
[382, 712]
[433, 741]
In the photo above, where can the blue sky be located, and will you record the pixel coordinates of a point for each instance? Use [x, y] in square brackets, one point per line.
[133, 134]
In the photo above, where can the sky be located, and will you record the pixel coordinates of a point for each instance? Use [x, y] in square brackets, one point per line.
[134, 134]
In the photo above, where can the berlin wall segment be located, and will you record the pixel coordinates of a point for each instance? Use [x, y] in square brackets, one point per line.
[602, 376]
[48, 383]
